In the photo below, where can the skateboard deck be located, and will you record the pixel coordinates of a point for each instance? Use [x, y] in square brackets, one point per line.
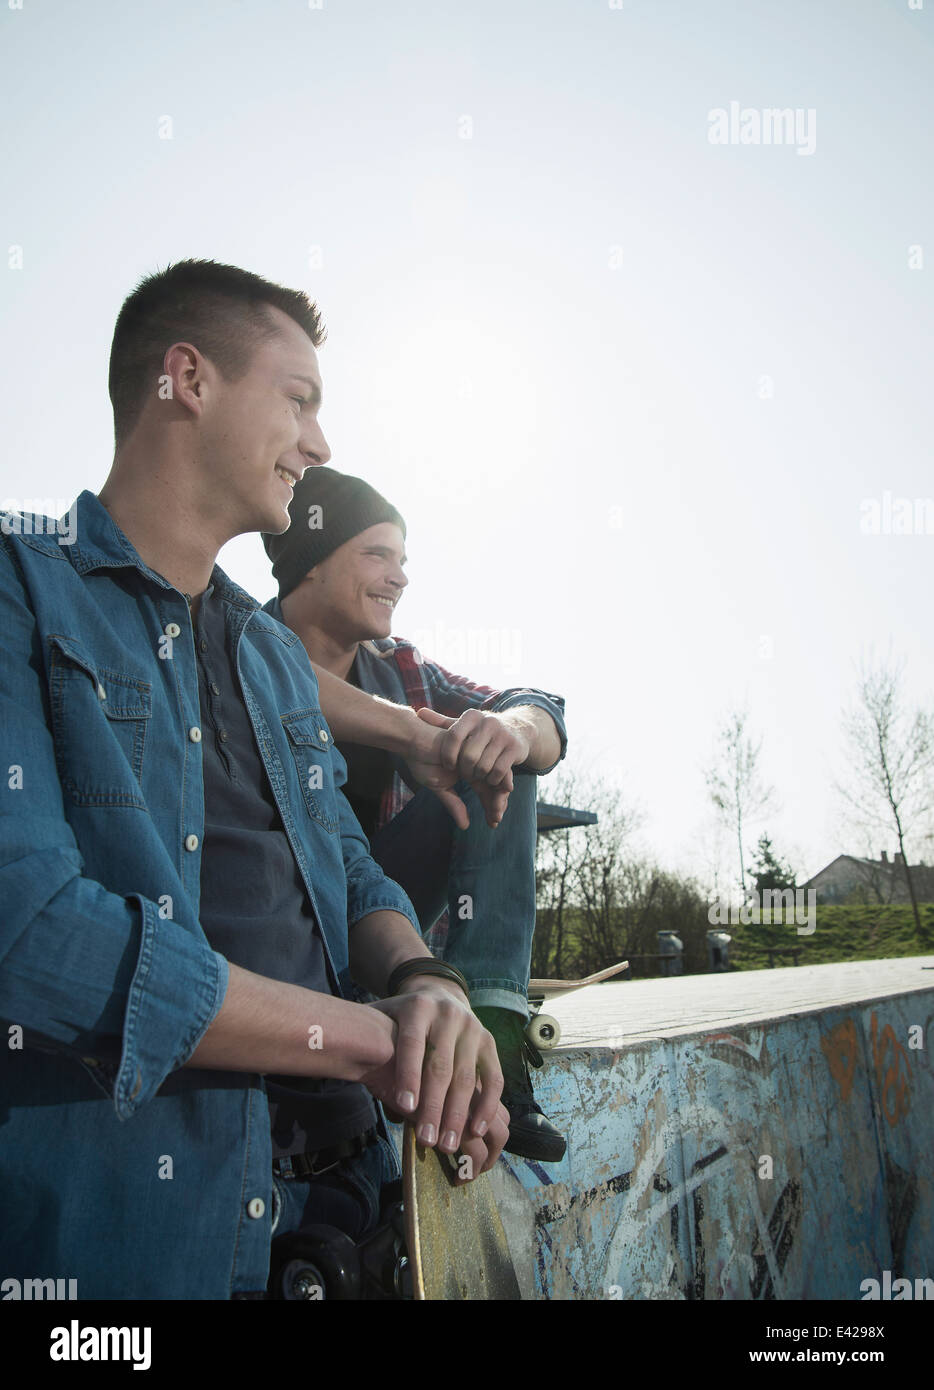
[553, 989]
[456, 1243]
[542, 1030]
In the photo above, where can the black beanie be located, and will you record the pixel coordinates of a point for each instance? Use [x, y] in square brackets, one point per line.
[327, 509]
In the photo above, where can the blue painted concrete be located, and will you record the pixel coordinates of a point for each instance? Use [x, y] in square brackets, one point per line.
[790, 1159]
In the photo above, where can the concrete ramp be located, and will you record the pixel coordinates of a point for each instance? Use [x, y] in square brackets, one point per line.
[752, 1135]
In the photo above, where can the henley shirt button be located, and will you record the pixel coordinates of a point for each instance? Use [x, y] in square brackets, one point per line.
[223, 735]
[255, 1207]
[194, 733]
[191, 842]
[204, 645]
[215, 687]
[173, 630]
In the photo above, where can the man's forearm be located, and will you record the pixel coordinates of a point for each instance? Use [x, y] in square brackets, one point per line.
[356, 717]
[265, 1025]
[541, 732]
[378, 943]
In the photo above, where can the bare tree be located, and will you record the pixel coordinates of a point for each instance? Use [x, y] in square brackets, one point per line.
[891, 781]
[734, 784]
[577, 869]
[556, 854]
[708, 856]
[599, 900]
[623, 911]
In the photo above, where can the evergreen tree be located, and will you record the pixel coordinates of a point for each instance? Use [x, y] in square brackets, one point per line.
[768, 870]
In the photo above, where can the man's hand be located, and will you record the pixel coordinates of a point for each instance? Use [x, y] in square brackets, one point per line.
[430, 767]
[480, 745]
[445, 1076]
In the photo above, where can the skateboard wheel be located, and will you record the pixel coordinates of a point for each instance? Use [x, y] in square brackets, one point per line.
[543, 1032]
[319, 1263]
[300, 1280]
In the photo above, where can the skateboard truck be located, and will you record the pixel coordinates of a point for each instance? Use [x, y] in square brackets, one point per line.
[322, 1262]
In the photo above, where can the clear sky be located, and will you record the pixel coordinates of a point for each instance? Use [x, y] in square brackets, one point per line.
[631, 389]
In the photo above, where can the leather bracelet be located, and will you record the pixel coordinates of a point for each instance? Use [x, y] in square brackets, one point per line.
[426, 965]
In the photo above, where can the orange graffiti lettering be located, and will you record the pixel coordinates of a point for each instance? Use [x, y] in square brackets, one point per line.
[840, 1049]
[895, 1089]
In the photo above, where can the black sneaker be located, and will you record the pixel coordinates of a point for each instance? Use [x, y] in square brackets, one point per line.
[531, 1135]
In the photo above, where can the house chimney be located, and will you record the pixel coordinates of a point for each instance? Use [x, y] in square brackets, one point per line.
[885, 858]
[899, 857]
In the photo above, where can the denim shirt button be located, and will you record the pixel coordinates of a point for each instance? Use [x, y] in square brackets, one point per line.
[256, 1207]
[139, 1085]
[191, 842]
[324, 735]
[172, 630]
[101, 693]
[194, 733]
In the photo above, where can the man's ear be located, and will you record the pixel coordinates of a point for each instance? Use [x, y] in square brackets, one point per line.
[185, 373]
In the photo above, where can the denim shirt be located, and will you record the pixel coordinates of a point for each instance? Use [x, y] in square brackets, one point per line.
[118, 1167]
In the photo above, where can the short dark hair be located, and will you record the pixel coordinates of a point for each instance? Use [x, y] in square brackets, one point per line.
[221, 309]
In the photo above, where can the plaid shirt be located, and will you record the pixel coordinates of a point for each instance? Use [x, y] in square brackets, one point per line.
[395, 669]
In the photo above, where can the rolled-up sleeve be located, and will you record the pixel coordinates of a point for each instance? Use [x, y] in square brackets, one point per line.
[452, 695]
[82, 970]
[552, 704]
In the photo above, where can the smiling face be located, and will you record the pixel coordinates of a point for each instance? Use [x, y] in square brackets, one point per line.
[262, 431]
[352, 594]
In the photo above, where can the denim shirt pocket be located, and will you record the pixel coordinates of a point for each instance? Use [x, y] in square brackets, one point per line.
[310, 743]
[100, 716]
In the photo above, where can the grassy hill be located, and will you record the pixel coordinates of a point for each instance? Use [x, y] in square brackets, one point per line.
[842, 933]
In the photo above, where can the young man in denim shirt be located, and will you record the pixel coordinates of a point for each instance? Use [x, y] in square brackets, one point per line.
[186, 891]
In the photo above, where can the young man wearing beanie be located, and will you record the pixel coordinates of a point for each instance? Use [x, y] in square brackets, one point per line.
[184, 908]
[340, 573]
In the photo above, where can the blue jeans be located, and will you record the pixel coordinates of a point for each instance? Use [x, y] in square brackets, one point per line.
[485, 878]
[347, 1196]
